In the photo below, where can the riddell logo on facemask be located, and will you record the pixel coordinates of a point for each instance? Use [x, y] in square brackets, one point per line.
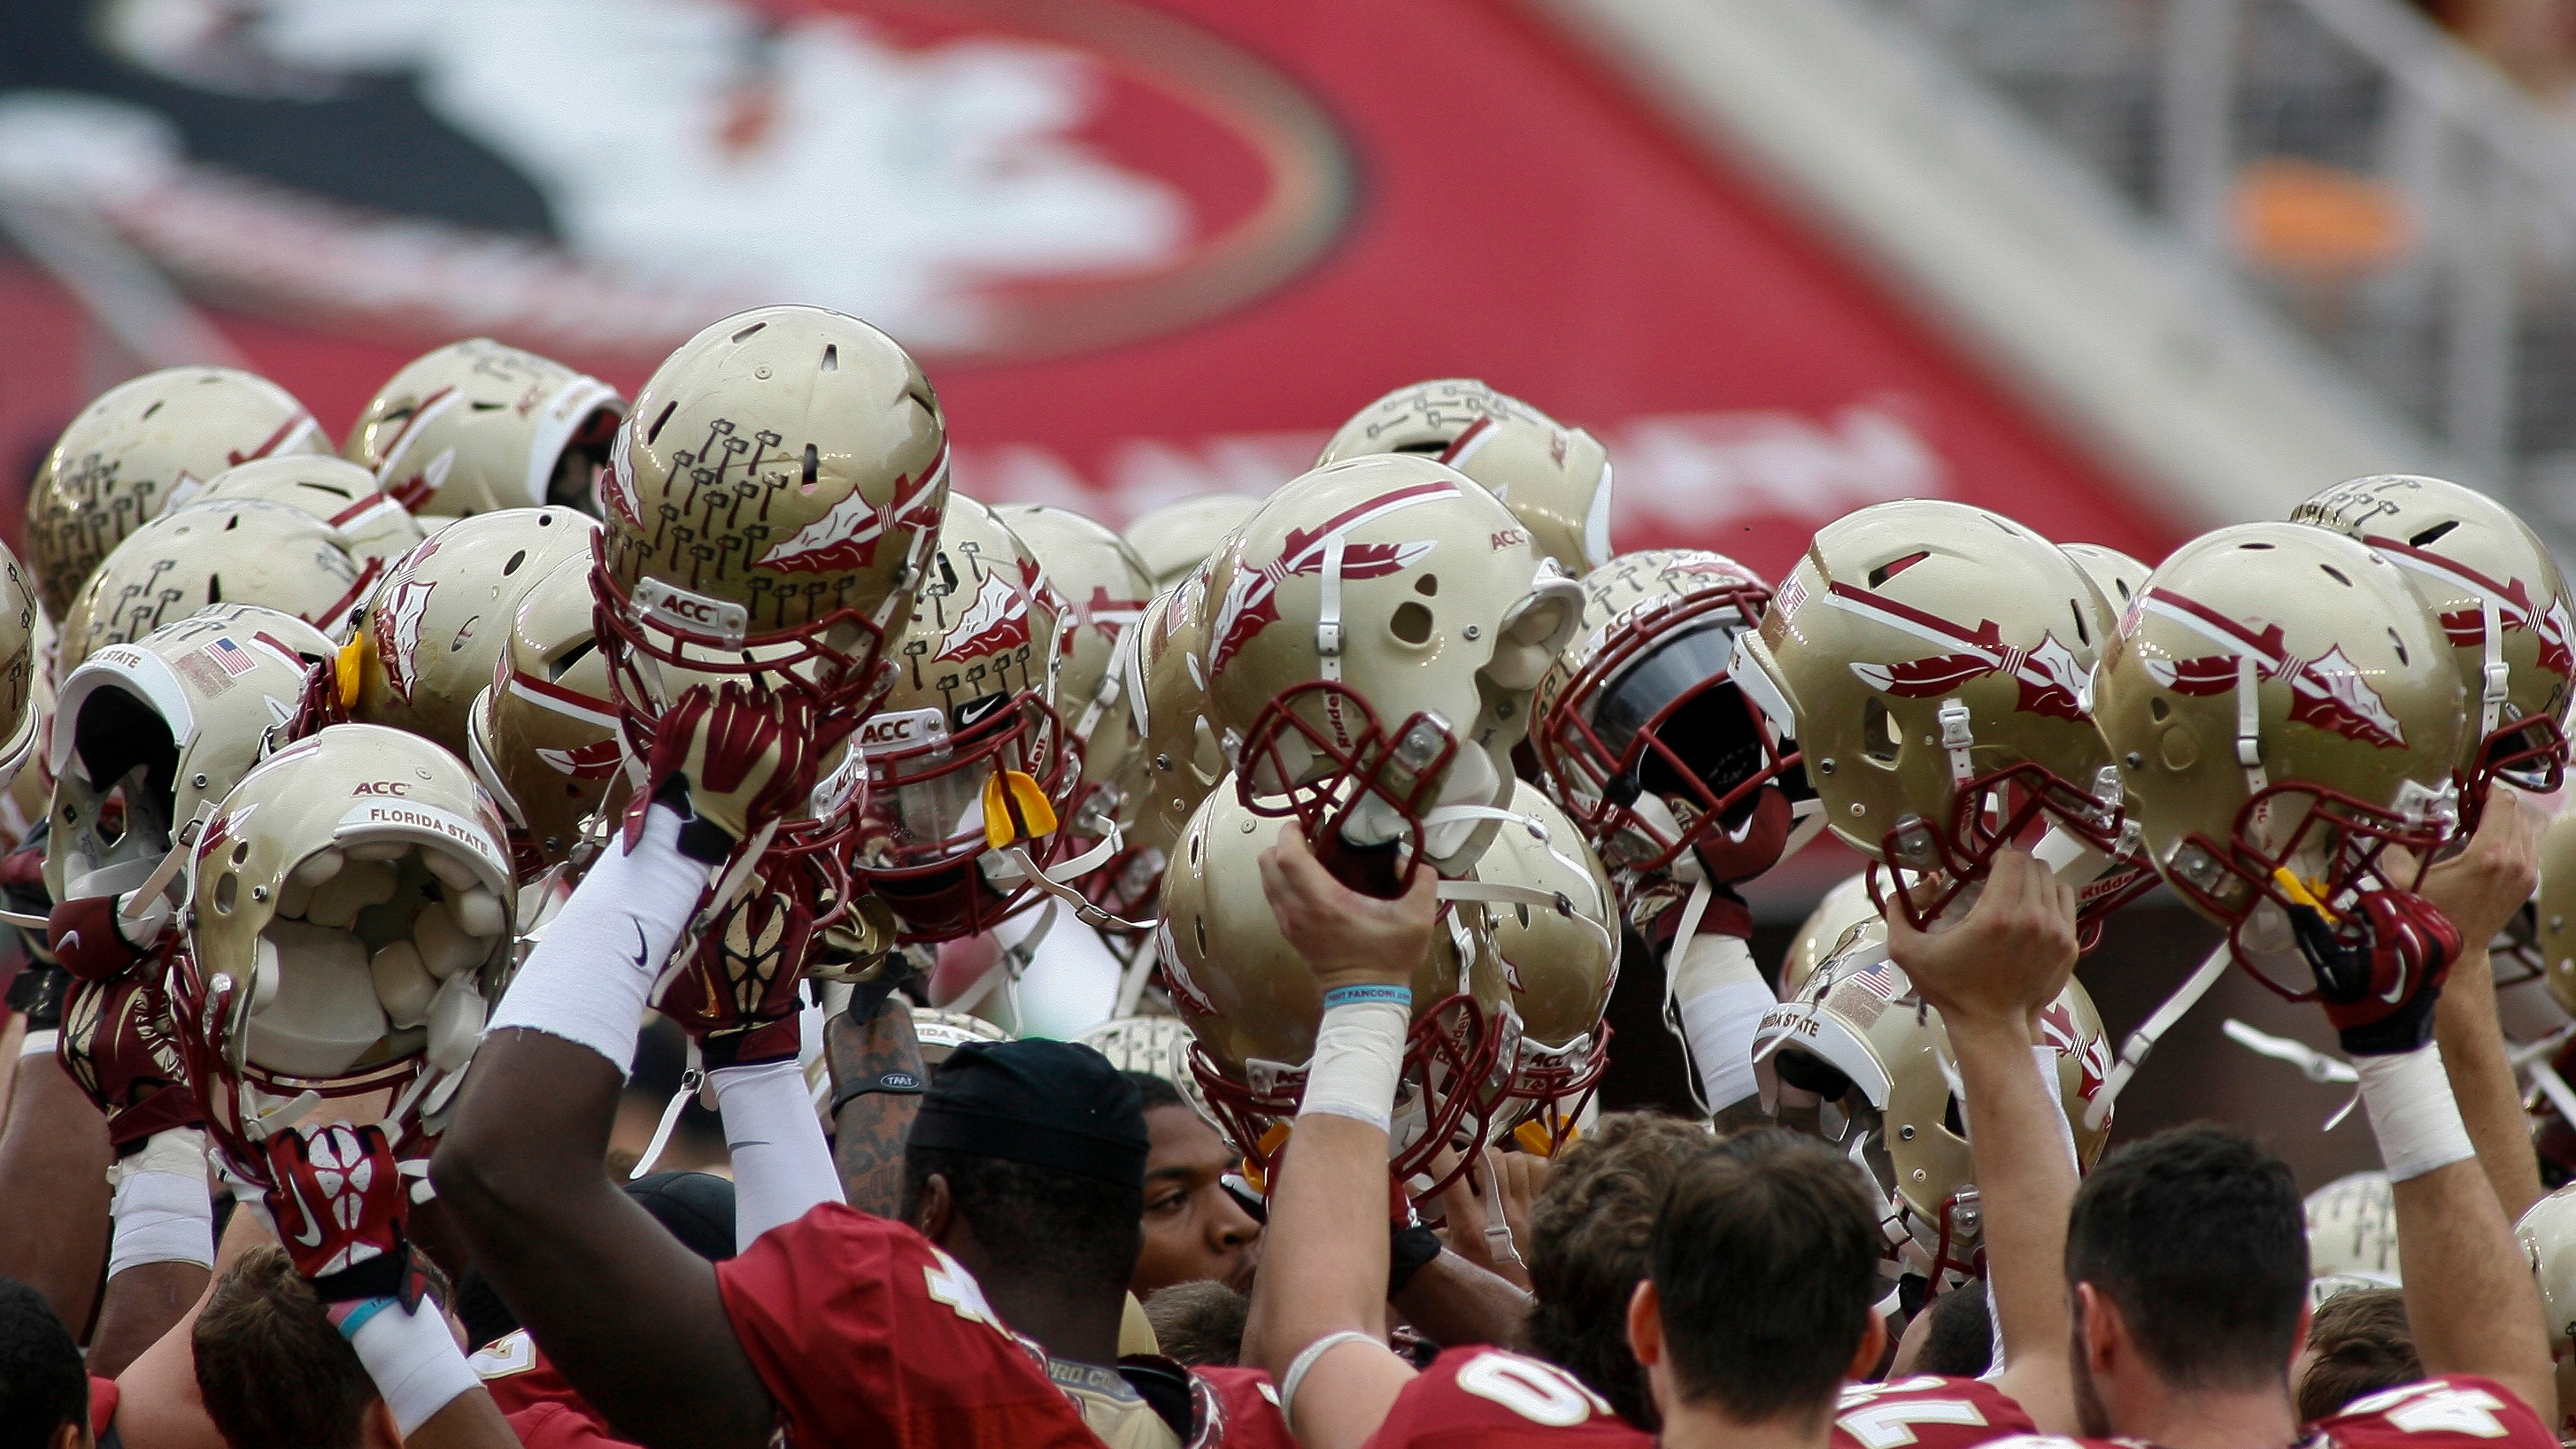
[384, 787]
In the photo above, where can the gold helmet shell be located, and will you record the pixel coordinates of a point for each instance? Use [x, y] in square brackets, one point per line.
[1157, 1046]
[335, 490]
[233, 550]
[474, 426]
[1375, 632]
[142, 448]
[1933, 658]
[1559, 948]
[2496, 596]
[2279, 699]
[973, 698]
[165, 726]
[542, 734]
[2548, 1235]
[1178, 537]
[1167, 714]
[1555, 479]
[2352, 1229]
[1827, 931]
[1253, 1006]
[428, 642]
[2117, 580]
[776, 493]
[2555, 907]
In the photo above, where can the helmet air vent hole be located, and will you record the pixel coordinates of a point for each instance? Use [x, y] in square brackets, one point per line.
[2083, 635]
[831, 358]
[2399, 645]
[1410, 623]
[512, 566]
[1198, 928]
[2425, 539]
[225, 892]
[2255, 547]
[654, 433]
[747, 331]
[1427, 585]
[1882, 739]
[486, 407]
[1881, 574]
[241, 852]
[813, 466]
[2159, 709]
[232, 523]
[156, 407]
[2335, 574]
[214, 588]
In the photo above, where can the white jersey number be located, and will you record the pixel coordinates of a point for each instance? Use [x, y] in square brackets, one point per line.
[1891, 1424]
[1540, 1393]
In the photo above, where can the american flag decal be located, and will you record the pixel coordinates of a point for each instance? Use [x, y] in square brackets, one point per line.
[234, 659]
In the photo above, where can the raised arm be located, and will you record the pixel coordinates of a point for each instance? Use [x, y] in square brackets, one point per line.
[2479, 890]
[54, 1156]
[1318, 1317]
[2470, 1297]
[877, 1081]
[1989, 976]
[633, 1319]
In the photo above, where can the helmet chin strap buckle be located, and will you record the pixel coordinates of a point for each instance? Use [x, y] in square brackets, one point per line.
[1328, 623]
[2249, 725]
[1957, 737]
[2498, 676]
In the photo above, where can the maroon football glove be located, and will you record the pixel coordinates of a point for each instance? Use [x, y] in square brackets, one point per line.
[737, 993]
[340, 1202]
[94, 943]
[118, 1045]
[2379, 987]
[745, 757]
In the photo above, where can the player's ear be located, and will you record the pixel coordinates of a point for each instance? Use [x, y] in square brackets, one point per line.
[935, 1208]
[1646, 1323]
[2101, 1331]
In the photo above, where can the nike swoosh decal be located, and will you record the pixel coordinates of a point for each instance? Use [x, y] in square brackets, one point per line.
[310, 1235]
[973, 711]
[2397, 992]
[643, 949]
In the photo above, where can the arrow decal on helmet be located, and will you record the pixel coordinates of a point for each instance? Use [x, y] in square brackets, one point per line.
[846, 537]
[2467, 628]
[1252, 597]
[2328, 693]
[2051, 680]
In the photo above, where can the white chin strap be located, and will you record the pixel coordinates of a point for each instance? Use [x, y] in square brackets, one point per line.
[2497, 676]
[2133, 1052]
[1016, 865]
[2249, 732]
[1957, 738]
[1328, 621]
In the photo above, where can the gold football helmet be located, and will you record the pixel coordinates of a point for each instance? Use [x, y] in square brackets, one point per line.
[154, 733]
[1555, 929]
[2496, 594]
[1555, 479]
[2117, 579]
[1165, 667]
[143, 448]
[428, 642]
[1104, 589]
[1253, 1007]
[1375, 632]
[1827, 930]
[475, 426]
[1930, 659]
[542, 734]
[1178, 537]
[1645, 737]
[2555, 908]
[350, 922]
[2283, 711]
[1156, 1045]
[2548, 1234]
[1854, 1033]
[23, 757]
[337, 491]
[2352, 1229]
[968, 730]
[770, 506]
[229, 551]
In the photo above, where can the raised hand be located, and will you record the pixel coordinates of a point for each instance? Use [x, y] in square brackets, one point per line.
[340, 1204]
[1345, 937]
[746, 758]
[2380, 987]
[2009, 957]
[736, 991]
[118, 1045]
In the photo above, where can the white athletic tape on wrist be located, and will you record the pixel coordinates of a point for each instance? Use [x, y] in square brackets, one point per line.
[37, 1043]
[162, 1217]
[1359, 1055]
[589, 979]
[415, 1362]
[1314, 1352]
[2412, 1112]
[1721, 999]
[781, 1165]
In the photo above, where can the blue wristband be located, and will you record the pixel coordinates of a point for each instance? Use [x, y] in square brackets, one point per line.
[357, 1316]
[1401, 996]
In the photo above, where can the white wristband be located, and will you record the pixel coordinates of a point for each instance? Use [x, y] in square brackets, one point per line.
[2412, 1113]
[415, 1362]
[1721, 999]
[589, 978]
[38, 1043]
[163, 1211]
[1359, 1055]
[781, 1165]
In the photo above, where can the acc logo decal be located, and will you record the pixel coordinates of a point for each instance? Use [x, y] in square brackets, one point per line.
[1508, 537]
[383, 787]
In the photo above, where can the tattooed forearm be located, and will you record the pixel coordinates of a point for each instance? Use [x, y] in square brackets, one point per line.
[868, 1134]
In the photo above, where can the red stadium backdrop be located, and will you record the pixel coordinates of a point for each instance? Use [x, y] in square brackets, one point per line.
[1148, 251]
